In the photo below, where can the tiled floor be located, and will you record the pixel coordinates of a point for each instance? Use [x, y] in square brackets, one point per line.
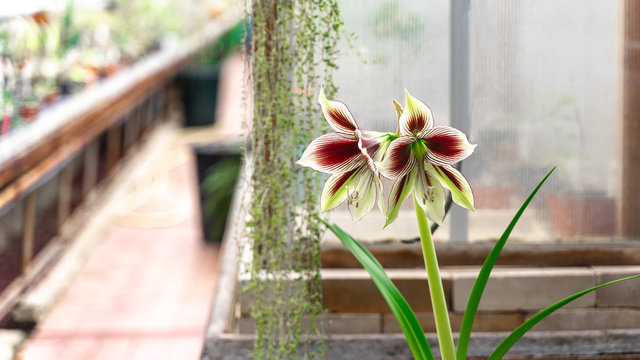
[146, 291]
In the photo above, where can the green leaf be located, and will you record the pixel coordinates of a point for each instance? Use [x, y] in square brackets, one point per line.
[508, 342]
[399, 306]
[483, 277]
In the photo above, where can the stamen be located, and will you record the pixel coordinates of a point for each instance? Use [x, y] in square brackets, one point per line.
[429, 195]
[352, 196]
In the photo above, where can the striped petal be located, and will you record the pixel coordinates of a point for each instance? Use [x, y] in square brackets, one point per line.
[362, 191]
[383, 146]
[416, 118]
[369, 143]
[429, 194]
[398, 159]
[453, 180]
[331, 153]
[447, 146]
[398, 108]
[334, 191]
[380, 194]
[337, 115]
[399, 191]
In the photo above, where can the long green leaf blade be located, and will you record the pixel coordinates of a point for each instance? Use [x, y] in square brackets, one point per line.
[510, 340]
[481, 281]
[399, 306]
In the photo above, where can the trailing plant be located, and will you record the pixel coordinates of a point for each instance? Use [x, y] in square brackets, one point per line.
[419, 157]
[292, 49]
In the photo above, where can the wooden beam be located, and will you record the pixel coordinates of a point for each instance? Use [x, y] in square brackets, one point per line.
[95, 121]
[629, 206]
[13, 191]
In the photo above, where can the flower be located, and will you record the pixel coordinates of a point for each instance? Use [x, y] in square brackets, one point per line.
[348, 154]
[420, 161]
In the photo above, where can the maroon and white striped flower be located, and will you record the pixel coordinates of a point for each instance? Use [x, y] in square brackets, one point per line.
[420, 161]
[348, 154]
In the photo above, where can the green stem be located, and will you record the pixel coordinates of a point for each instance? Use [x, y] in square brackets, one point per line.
[438, 301]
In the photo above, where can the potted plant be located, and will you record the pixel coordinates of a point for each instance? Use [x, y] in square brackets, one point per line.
[586, 213]
[29, 108]
[47, 90]
[7, 113]
[199, 81]
[218, 169]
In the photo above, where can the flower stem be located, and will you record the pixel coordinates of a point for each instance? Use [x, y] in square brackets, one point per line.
[438, 301]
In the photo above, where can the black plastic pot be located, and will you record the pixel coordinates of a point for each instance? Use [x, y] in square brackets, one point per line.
[199, 90]
[218, 169]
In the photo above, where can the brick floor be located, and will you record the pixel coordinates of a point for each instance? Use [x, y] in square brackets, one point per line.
[146, 291]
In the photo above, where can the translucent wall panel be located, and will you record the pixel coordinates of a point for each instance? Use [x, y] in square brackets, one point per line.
[398, 45]
[545, 90]
[545, 93]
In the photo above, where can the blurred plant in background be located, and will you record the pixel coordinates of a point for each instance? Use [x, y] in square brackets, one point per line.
[48, 53]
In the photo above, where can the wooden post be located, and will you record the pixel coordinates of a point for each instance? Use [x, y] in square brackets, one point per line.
[164, 101]
[149, 113]
[144, 117]
[114, 143]
[64, 198]
[629, 197]
[28, 235]
[135, 123]
[155, 106]
[90, 171]
[129, 131]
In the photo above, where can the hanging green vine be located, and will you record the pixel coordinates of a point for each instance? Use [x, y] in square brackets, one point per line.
[293, 52]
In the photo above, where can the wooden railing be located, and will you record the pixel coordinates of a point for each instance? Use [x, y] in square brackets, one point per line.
[49, 167]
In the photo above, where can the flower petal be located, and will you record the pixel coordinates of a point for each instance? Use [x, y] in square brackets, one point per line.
[380, 194]
[337, 115]
[398, 107]
[369, 143]
[398, 159]
[416, 118]
[429, 194]
[447, 146]
[332, 153]
[361, 193]
[453, 180]
[334, 191]
[399, 191]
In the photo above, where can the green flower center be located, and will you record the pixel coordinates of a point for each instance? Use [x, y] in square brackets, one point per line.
[419, 148]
